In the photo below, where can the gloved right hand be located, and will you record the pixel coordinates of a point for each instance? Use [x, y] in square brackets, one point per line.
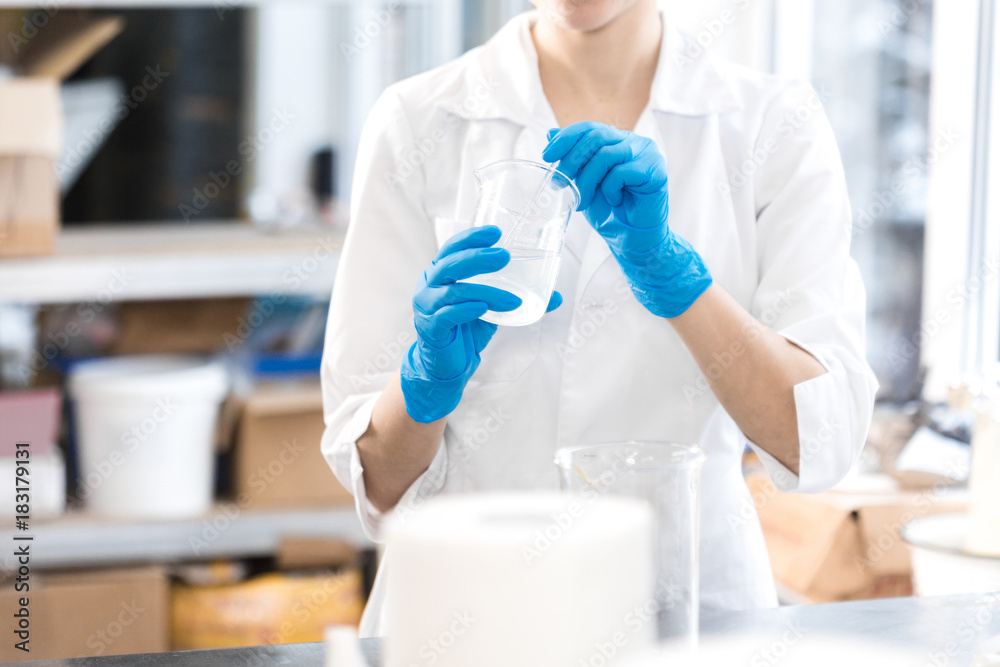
[450, 335]
[622, 178]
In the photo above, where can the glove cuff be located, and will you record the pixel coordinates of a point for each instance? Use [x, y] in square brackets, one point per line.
[427, 398]
[671, 278]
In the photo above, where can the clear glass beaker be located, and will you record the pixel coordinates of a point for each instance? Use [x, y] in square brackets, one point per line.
[668, 477]
[531, 204]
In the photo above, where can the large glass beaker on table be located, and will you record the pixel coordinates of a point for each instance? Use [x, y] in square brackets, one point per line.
[668, 477]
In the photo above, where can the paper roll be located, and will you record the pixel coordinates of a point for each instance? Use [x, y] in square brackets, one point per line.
[984, 486]
[533, 579]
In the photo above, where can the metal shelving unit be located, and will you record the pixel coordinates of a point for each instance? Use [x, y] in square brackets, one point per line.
[175, 261]
[75, 540]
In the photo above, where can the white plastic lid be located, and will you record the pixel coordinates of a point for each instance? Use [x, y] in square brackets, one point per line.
[187, 378]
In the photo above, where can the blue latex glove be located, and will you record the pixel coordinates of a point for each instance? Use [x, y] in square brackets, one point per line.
[622, 180]
[450, 335]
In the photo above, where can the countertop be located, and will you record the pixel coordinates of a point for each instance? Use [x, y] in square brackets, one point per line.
[947, 629]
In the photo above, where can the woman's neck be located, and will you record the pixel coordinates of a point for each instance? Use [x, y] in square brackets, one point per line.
[614, 60]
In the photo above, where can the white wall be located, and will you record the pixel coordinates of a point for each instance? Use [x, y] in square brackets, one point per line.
[326, 64]
[293, 66]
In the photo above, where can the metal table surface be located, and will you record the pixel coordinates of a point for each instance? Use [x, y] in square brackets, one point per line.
[947, 630]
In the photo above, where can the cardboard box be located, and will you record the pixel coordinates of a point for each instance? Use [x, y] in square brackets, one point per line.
[273, 608]
[90, 613]
[304, 553]
[186, 326]
[31, 124]
[278, 460]
[841, 546]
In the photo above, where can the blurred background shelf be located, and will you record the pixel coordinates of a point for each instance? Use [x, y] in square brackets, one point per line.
[175, 261]
[76, 540]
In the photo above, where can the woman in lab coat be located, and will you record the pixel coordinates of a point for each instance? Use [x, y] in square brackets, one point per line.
[747, 328]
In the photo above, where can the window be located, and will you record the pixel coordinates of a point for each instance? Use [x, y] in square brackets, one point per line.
[959, 329]
[870, 62]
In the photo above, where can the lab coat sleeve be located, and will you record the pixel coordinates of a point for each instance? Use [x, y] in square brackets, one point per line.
[809, 289]
[389, 243]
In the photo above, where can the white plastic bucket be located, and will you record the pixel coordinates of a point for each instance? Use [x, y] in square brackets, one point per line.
[145, 431]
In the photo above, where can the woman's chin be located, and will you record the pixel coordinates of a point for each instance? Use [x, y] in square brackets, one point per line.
[583, 15]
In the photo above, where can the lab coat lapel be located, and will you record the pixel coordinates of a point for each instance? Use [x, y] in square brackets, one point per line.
[595, 255]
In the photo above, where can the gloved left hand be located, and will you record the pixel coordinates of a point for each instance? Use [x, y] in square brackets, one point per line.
[622, 180]
[446, 312]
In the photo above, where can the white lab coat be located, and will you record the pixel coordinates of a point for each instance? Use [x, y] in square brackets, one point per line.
[756, 186]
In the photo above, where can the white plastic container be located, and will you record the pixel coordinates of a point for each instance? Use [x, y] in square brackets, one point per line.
[941, 564]
[145, 431]
[47, 483]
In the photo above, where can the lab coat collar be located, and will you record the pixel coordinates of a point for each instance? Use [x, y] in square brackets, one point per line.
[689, 80]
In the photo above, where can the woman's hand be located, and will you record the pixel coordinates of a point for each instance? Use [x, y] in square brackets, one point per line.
[622, 180]
[446, 312]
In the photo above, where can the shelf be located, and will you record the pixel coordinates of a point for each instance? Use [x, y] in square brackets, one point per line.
[83, 540]
[132, 262]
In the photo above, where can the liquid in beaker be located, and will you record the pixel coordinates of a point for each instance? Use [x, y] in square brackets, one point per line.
[531, 204]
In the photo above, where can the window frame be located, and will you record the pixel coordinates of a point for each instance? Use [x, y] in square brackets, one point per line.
[960, 323]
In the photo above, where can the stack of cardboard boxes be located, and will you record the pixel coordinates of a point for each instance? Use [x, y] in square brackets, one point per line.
[31, 120]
